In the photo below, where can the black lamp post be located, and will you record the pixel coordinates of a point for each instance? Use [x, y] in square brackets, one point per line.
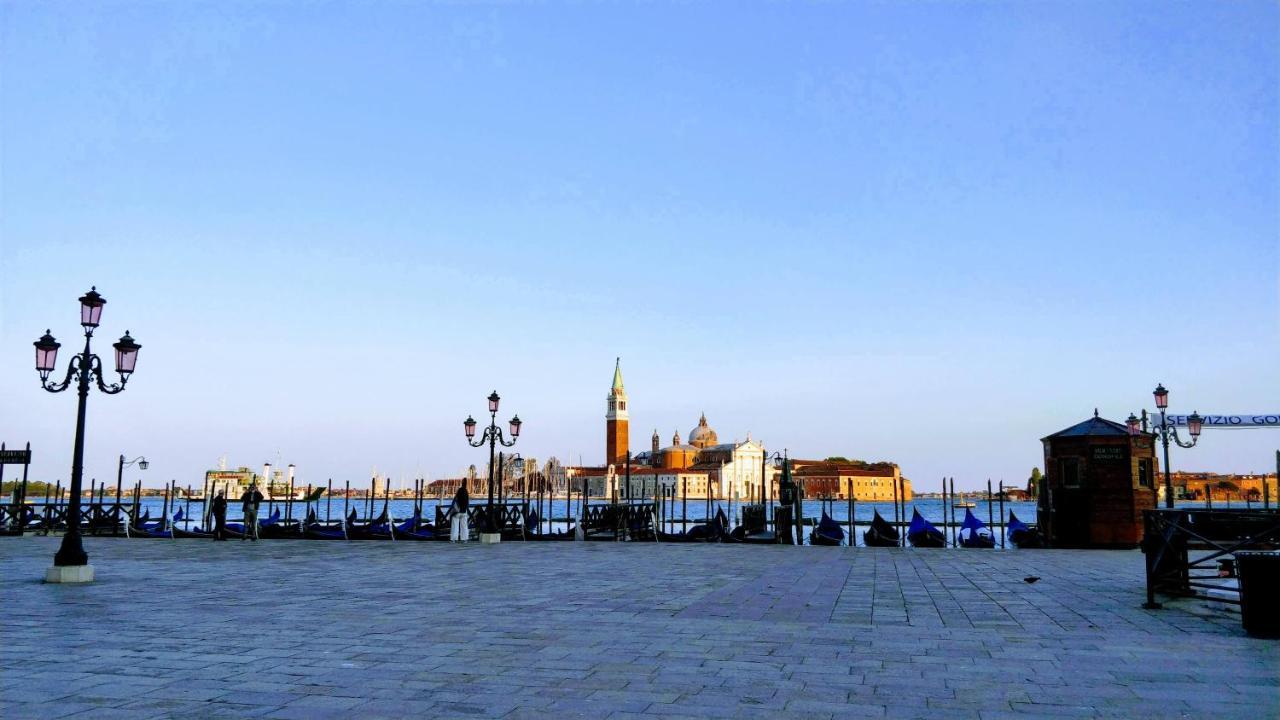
[1167, 432]
[83, 368]
[764, 473]
[492, 435]
[140, 461]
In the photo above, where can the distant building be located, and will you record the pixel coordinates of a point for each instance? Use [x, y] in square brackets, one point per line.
[232, 483]
[1218, 486]
[868, 482]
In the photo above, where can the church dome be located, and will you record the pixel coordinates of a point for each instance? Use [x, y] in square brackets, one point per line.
[703, 436]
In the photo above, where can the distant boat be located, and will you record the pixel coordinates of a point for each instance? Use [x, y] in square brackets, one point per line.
[963, 505]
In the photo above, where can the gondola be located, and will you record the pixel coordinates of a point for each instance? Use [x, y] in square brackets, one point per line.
[1022, 535]
[313, 529]
[533, 521]
[701, 532]
[922, 534]
[415, 529]
[881, 533]
[148, 528]
[827, 532]
[714, 530]
[763, 537]
[974, 533]
[27, 521]
[241, 530]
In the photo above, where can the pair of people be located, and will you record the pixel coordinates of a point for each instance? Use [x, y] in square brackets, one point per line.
[250, 501]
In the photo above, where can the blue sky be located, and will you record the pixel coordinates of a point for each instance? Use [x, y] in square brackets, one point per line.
[927, 232]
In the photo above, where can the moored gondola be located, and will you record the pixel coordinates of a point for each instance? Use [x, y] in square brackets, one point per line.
[974, 533]
[1022, 535]
[740, 534]
[532, 525]
[827, 532]
[699, 532]
[145, 527]
[881, 533]
[922, 534]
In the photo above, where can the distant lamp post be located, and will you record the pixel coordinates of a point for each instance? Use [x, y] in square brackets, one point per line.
[1194, 425]
[492, 435]
[140, 461]
[71, 564]
[764, 473]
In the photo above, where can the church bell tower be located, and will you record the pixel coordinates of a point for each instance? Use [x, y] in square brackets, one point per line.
[616, 437]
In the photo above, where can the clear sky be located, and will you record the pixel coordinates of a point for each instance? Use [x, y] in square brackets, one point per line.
[924, 232]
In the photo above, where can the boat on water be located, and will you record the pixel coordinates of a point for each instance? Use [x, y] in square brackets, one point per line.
[827, 532]
[1023, 535]
[963, 505]
[881, 533]
[974, 533]
[532, 526]
[922, 533]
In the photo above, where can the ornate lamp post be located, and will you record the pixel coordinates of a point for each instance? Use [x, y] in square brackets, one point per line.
[1167, 432]
[492, 435]
[71, 564]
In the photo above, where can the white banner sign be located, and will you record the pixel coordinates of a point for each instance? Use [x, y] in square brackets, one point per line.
[1243, 420]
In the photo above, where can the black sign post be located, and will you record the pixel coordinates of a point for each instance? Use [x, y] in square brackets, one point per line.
[16, 457]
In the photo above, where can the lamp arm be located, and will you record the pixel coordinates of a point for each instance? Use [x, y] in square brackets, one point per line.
[1173, 432]
[503, 440]
[72, 367]
[95, 367]
[484, 439]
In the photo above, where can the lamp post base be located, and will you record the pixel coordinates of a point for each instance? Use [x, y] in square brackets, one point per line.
[69, 574]
[490, 538]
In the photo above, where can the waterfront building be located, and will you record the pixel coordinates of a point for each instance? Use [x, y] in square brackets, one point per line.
[703, 463]
[1224, 487]
[868, 482]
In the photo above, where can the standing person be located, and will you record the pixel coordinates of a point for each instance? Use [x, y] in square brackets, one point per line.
[458, 530]
[219, 517]
[249, 503]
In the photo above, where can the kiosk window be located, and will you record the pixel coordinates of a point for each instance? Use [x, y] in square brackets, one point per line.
[1144, 473]
[1070, 472]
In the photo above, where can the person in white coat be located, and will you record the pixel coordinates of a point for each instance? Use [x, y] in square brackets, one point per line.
[458, 530]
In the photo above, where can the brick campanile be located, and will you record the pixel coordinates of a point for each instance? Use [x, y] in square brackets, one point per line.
[616, 436]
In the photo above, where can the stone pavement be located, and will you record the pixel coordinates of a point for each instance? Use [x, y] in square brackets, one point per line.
[299, 629]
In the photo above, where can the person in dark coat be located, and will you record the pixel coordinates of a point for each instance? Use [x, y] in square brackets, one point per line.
[219, 517]
[458, 530]
[249, 502]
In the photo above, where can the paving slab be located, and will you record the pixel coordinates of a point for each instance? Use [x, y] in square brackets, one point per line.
[311, 629]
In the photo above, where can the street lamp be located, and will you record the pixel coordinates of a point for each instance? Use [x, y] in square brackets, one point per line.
[71, 564]
[1194, 424]
[492, 435]
[140, 461]
[764, 473]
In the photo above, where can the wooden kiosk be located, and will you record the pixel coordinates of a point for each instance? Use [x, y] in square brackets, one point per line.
[1098, 480]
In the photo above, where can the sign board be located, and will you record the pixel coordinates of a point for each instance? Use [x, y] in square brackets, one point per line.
[1240, 420]
[15, 457]
[1109, 453]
